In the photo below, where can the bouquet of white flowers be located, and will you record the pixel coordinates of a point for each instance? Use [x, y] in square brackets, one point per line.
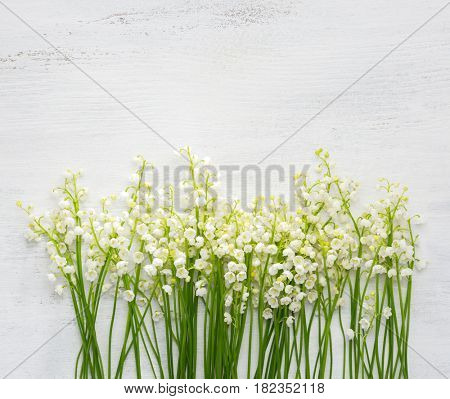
[280, 292]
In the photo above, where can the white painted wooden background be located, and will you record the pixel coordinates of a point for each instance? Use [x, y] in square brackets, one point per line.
[232, 79]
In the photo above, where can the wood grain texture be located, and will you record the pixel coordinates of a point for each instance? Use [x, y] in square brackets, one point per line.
[232, 79]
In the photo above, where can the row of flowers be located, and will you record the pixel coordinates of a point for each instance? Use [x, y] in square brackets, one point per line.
[220, 292]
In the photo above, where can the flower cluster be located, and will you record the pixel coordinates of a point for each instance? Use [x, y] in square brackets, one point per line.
[220, 272]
